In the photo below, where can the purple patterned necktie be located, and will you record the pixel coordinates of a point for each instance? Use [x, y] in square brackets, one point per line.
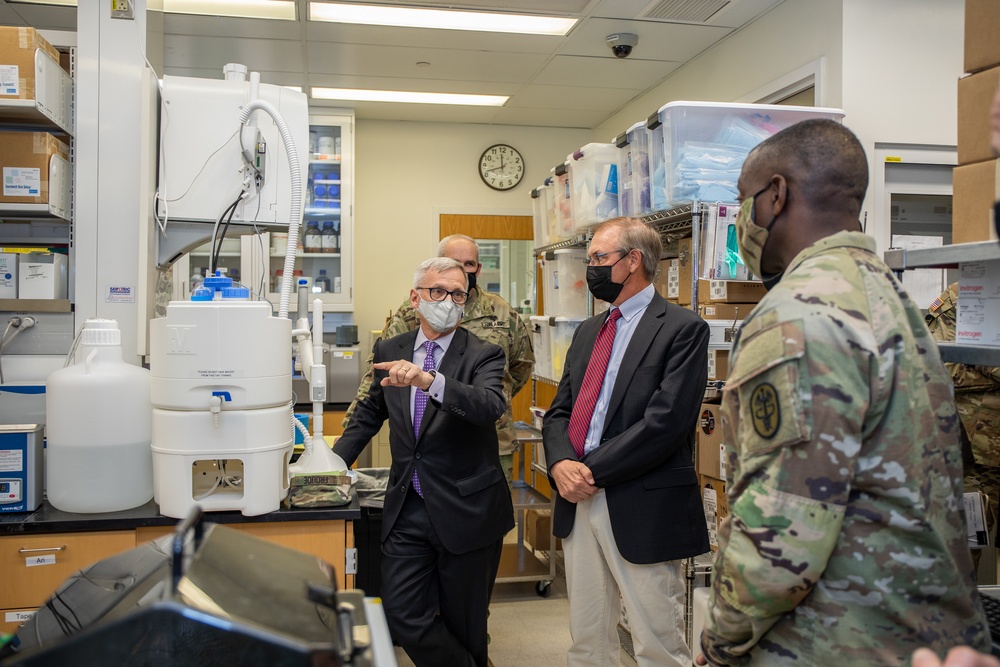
[419, 403]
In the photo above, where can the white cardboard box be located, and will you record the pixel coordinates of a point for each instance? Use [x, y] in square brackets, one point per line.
[42, 275]
[978, 318]
[8, 275]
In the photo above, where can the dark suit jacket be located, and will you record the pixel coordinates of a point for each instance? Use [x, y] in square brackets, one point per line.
[464, 487]
[645, 460]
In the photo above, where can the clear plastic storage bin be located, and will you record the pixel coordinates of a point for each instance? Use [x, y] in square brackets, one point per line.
[563, 200]
[593, 176]
[564, 282]
[540, 214]
[697, 148]
[552, 212]
[633, 171]
[562, 336]
[541, 339]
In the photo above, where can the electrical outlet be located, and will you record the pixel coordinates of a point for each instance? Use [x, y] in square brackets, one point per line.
[121, 9]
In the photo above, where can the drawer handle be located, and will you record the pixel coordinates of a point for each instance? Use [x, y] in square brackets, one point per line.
[22, 550]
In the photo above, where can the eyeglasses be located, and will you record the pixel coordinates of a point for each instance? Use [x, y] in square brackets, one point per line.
[439, 293]
[598, 259]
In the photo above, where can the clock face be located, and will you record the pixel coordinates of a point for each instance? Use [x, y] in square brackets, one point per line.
[501, 167]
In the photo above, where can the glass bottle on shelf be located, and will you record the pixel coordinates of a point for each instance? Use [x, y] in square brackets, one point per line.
[322, 282]
[312, 240]
[336, 237]
[330, 242]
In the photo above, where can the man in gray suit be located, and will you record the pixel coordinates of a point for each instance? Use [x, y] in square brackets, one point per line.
[447, 506]
[619, 439]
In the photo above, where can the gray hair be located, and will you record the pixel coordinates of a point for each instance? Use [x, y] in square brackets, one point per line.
[634, 234]
[438, 265]
[443, 246]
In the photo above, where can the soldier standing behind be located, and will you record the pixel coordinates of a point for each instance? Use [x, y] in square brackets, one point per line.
[846, 535]
[977, 397]
[488, 317]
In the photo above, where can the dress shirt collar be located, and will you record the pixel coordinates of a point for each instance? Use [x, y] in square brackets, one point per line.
[443, 342]
[637, 303]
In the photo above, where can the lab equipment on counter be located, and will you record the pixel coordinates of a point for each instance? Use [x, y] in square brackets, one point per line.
[99, 427]
[21, 456]
[221, 390]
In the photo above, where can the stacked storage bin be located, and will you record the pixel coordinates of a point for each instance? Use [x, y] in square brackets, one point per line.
[540, 214]
[565, 228]
[697, 148]
[541, 341]
[593, 178]
[565, 282]
[633, 171]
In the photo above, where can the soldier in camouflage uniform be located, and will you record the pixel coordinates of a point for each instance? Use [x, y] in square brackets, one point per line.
[977, 396]
[488, 317]
[846, 536]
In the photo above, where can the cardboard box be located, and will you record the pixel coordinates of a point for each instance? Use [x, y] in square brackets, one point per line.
[725, 311]
[982, 27]
[663, 277]
[716, 503]
[538, 529]
[42, 276]
[975, 99]
[718, 364]
[978, 318]
[730, 291]
[17, 61]
[975, 188]
[24, 162]
[8, 275]
[683, 273]
[709, 442]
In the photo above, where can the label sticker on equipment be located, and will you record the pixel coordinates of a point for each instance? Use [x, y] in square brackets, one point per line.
[22, 182]
[9, 80]
[11, 460]
[18, 616]
[34, 561]
[120, 294]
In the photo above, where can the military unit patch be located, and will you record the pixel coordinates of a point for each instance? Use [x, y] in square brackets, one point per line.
[765, 410]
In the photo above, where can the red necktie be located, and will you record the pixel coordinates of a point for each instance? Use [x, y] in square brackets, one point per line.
[597, 368]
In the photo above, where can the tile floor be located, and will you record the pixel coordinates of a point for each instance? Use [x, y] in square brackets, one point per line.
[527, 630]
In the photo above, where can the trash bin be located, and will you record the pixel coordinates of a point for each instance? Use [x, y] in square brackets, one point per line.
[371, 487]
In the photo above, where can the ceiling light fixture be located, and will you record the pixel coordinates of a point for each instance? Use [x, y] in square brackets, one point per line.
[413, 17]
[251, 9]
[358, 95]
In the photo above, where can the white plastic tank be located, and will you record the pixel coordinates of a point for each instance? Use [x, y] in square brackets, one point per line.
[99, 429]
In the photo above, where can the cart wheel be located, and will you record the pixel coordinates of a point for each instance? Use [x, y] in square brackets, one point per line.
[543, 588]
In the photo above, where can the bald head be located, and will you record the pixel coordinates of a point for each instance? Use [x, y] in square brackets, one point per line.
[822, 158]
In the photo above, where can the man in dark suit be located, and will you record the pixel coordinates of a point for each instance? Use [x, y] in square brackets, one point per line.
[447, 506]
[619, 439]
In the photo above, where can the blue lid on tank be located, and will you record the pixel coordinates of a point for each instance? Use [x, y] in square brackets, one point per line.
[235, 293]
[218, 281]
[202, 293]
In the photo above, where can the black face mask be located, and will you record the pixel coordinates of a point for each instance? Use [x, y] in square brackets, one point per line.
[600, 283]
[472, 280]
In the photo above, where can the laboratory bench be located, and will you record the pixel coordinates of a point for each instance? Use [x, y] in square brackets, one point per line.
[40, 549]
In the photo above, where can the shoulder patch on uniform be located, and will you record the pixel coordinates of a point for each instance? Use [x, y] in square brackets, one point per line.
[765, 409]
[935, 305]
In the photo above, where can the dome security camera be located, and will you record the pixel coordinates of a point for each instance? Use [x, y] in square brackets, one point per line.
[621, 43]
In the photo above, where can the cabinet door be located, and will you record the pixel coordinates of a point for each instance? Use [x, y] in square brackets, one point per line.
[34, 566]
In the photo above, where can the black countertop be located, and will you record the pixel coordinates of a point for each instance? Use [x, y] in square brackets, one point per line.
[47, 519]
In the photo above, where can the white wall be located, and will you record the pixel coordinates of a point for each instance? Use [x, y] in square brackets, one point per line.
[789, 37]
[902, 60]
[407, 173]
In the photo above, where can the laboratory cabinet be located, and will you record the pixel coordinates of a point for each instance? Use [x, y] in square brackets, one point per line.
[324, 251]
[39, 551]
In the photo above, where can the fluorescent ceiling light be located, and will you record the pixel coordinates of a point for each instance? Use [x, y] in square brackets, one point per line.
[358, 95]
[412, 17]
[253, 9]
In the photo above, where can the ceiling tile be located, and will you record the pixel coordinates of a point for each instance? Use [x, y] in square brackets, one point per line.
[572, 97]
[367, 60]
[259, 54]
[430, 113]
[604, 72]
[431, 39]
[657, 41]
[415, 85]
[555, 7]
[549, 117]
[187, 24]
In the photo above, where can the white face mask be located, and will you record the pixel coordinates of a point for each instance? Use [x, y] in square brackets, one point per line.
[441, 316]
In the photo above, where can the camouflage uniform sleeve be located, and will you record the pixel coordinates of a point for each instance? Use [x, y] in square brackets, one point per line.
[401, 321]
[797, 431]
[522, 357]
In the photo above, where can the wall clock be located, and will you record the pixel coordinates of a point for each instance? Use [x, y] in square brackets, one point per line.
[501, 167]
